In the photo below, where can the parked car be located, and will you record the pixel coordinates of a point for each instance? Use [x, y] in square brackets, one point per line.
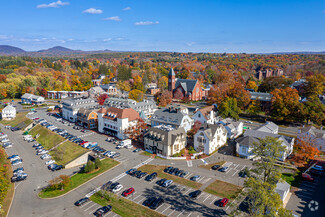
[195, 178]
[81, 201]
[156, 203]
[7, 145]
[249, 122]
[316, 173]
[128, 192]
[18, 178]
[161, 181]
[215, 167]
[149, 201]
[224, 169]
[141, 175]
[117, 188]
[131, 171]
[45, 156]
[113, 185]
[19, 170]
[50, 162]
[166, 170]
[244, 173]
[16, 162]
[55, 167]
[151, 177]
[137, 150]
[195, 194]
[224, 202]
[12, 156]
[116, 155]
[136, 173]
[167, 183]
[317, 167]
[183, 174]
[103, 210]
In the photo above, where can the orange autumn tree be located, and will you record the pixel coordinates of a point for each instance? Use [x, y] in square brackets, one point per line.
[305, 147]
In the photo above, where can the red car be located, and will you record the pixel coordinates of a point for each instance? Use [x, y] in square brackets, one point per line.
[128, 192]
[223, 202]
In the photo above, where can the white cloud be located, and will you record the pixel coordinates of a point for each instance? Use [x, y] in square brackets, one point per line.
[190, 44]
[107, 39]
[115, 18]
[53, 4]
[146, 23]
[92, 11]
[126, 9]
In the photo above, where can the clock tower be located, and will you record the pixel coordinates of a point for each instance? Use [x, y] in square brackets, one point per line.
[171, 80]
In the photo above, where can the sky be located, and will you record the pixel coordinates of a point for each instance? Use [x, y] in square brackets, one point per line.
[218, 26]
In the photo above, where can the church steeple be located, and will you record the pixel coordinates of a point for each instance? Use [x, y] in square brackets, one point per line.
[171, 80]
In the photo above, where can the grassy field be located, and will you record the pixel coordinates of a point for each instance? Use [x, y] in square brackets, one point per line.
[145, 153]
[124, 207]
[208, 166]
[6, 175]
[223, 189]
[47, 138]
[293, 179]
[67, 152]
[20, 117]
[160, 171]
[79, 179]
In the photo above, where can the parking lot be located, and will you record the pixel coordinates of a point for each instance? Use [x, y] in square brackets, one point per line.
[90, 207]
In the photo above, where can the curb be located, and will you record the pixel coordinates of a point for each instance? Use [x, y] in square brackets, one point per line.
[13, 197]
[77, 186]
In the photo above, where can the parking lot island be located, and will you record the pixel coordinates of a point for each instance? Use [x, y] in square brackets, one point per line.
[223, 189]
[79, 179]
[124, 207]
[161, 174]
[46, 137]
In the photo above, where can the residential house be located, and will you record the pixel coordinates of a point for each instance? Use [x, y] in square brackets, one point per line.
[165, 140]
[317, 136]
[95, 91]
[185, 87]
[283, 188]
[209, 138]
[70, 107]
[8, 112]
[206, 115]
[115, 121]
[244, 144]
[28, 98]
[234, 128]
[269, 127]
[174, 115]
[110, 89]
[87, 118]
[147, 106]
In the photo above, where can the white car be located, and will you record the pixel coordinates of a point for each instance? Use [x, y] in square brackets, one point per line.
[50, 162]
[5, 140]
[15, 158]
[249, 122]
[109, 153]
[45, 156]
[117, 188]
[43, 152]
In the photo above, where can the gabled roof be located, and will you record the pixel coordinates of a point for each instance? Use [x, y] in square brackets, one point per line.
[169, 115]
[261, 135]
[112, 113]
[205, 111]
[165, 135]
[247, 140]
[187, 84]
[282, 187]
[269, 126]
[211, 129]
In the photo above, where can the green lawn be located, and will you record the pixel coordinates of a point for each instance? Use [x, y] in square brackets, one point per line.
[20, 118]
[67, 152]
[223, 189]
[293, 179]
[79, 179]
[47, 138]
[160, 171]
[124, 207]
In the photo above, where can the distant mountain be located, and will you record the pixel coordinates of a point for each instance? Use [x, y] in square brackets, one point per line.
[57, 49]
[299, 52]
[10, 50]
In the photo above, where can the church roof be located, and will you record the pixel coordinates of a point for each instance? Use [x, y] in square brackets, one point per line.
[171, 72]
[187, 84]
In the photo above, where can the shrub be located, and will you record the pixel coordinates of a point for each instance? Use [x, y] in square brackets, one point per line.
[90, 166]
[98, 163]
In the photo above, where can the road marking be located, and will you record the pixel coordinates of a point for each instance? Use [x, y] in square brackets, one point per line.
[234, 173]
[107, 213]
[228, 171]
[236, 166]
[189, 214]
[187, 191]
[89, 207]
[200, 195]
[205, 181]
[201, 178]
[141, 200]
[206, 198]
[166, 209]
[136, 197]
[189, 163]
[115, 215]
[17, 185]
[180, 213]
[171, 212]
[94, 210]
[213, 200]
[188, 175]
[85, 204]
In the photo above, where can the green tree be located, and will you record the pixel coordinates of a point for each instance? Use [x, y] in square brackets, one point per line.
[11, 91]
[254, 108]
[315, 110]
[98, 163]
[229, 108]
[137, 95]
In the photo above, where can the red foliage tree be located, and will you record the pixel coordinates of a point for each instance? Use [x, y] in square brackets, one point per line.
[101, 99]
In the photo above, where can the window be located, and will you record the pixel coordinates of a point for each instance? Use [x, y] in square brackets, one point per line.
[199, 115]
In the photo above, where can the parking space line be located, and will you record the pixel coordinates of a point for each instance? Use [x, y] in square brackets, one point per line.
[107, 213]
[206, 198]
[115, 215]
[235, 172]
[180, 213]
[166, 209]
[187, 191]
[94, 210]
[189, 163]
[200, 195]
[306, 192]
[85, 204]
[236, 166]
[188, 175]
[205, 181]
[89, 207]
[228, 170]
[201, 179]
[141, 200]
[171, 212]
[189, 214]
[213, 200]
[136, 197]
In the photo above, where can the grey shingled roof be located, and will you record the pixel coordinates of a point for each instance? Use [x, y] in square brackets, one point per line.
[169, 115]
[281, 188]
[188, 83]
[211, 129]
[262, 135]
[268, 126]
[166, 137]
[247, 140]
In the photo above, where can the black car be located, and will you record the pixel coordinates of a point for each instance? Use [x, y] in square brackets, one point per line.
[20, 169]
[175, 171]
[151, 177]
[131, 171]
[115, 155]
[81, 201]
[103, 210]
[15, 128]
[137, 173]
[18, 178]
[215, 167]
[316, 173]
[55, 167]
[149, 201]
[179, 172]
[161, 181]
[141, 175]
[166, 170]
[113, 185]
[183, 174]
[171, 171]
[156, 203]
[195, 194]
